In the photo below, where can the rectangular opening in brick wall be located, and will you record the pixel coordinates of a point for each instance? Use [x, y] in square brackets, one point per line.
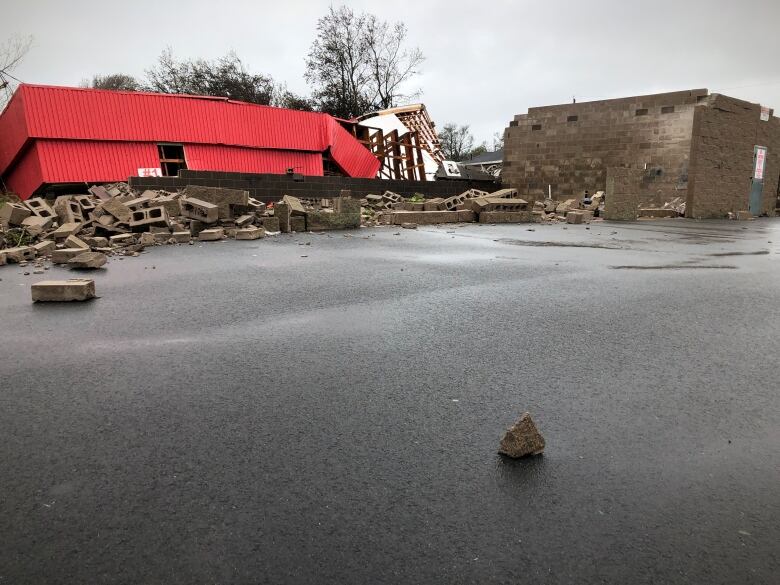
[572, 118]
[641, 112]
[536, 127]
[667, 110]
[513, 123]
[701, 98]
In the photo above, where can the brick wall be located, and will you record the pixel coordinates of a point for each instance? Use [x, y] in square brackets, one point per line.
[571, 146]
[273, 187]
[725, 132]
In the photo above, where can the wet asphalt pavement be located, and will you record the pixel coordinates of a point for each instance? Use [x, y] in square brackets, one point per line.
[236, 412]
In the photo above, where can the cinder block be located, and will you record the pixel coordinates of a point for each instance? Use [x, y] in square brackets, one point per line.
[505, 217]
[170, 203]
[211, 235]
[35, 225]
[63, 255]
[574, 217]
[138, 203]
[317, 221]
[490, 203]
[12, 213]
[271, 224]
[44, 247]
[245, 220]
[296, 207]
[466, 215]
[40, 208]
[297, 223]
[67, 210]
[86, 203]
[19, 254]
[152, 216]
[182, 237]
[117, 209]
[250, 233]
[198, 209]
[346, 205]
[432, 204]
[65, 230]
[75, 242]
[744, 215]
[122, 240]
[282, 213]
[75, 289]
[224, 199]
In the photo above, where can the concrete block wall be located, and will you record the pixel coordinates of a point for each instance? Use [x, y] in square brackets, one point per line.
[570, 146]
[725, 132]
[267, 188]
[622, 193]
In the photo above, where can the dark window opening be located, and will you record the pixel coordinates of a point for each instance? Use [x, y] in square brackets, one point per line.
[701, 98]
[667, 110]
[171, 159]
[536, 127]
[330, 168]
[572, 118]
[641, 112]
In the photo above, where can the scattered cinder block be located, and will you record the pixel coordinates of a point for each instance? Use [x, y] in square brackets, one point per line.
[505, 217]
[271, 224]
[152, 216]
[505, 194]
[12, 213]
[432, 204]
[656, 212]
[282, 213]
[318, 221]
[100, 192]
[574, 217]
[198, 209]
[296, 207]
[44, 247]
[122, 240]
[297, 223]
[64, 255]
[88, 260]
[181, 237]
[75, 289]
[490, 203]
[466, 215]
[744, 215]
[250, 233]
[39, 207]
[117, 209]
[211, 235]
[67, 210]
[224, 199]
[35, 225]
[76, 242]
[245, 220]
[96, 242]
[86, 203]
[147, 239]
[65, 230]
[170, 203]
[19, 254]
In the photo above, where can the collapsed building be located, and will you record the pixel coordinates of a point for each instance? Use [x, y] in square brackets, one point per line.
[61, 136]
[717, 154]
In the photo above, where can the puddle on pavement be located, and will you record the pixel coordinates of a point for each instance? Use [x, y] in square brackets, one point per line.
[545, 244]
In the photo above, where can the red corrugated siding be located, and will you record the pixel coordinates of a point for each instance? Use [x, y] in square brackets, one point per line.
[25, 176]
[208, 157]
[86, 114]
[13, 130]
[69, 161]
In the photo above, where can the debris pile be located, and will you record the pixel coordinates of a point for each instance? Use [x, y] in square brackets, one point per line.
[81, 231]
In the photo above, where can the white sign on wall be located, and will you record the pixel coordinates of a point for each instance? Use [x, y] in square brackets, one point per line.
[765, 113]
[151, 172]
[760, 163]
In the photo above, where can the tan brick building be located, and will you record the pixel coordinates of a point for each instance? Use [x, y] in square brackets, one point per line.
[688, 144]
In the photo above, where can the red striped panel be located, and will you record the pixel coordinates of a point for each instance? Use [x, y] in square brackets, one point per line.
[208, 157]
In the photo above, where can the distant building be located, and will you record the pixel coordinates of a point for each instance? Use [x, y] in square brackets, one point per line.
[59, 136]
[718, 153]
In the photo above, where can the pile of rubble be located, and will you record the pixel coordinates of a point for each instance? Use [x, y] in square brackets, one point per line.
[503, 206]
[82, 230]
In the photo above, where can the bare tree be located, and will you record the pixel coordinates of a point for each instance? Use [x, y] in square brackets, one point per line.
[223, 77]
[391, 65]
[457, 143]
[114, 81]
[12, 51]
[357, 63]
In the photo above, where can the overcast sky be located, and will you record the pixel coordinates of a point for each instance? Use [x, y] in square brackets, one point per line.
[485, 61]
